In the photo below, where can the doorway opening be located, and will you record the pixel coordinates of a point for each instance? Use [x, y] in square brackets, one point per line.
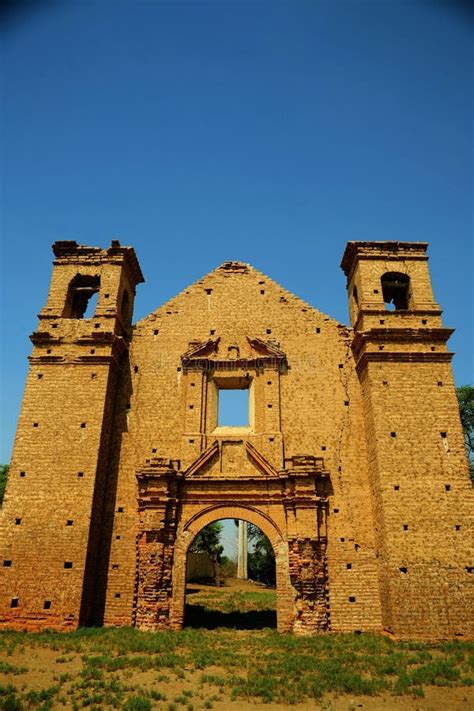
[230, 577]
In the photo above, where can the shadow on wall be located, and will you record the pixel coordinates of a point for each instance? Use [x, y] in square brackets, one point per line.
[120, 425]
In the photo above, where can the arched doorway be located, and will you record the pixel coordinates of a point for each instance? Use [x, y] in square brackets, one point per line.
[190, 528]
[230, 578]
[289, 507]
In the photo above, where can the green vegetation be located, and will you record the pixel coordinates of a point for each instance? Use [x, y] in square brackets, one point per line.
[261, 558]
[466, 408]
[3, 479]
[208, 541]
[235, 601]
[117, 668]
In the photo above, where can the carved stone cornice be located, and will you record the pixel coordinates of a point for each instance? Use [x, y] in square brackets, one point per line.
[400, 335]
[256, 354]
[402, 357]
[70, 252]
[389, 250]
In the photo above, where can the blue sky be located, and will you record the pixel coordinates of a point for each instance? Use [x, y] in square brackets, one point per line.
[269, 131]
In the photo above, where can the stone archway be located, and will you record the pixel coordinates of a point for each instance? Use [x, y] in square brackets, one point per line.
[189, 529]
[289, 506]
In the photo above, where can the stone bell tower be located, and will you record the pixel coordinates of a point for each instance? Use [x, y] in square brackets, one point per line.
[51, 517]
[417, 463]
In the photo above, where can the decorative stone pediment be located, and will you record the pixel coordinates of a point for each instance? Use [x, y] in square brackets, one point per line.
[232, 457]
[219, 353]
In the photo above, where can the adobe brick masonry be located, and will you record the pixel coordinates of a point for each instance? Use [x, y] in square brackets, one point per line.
[352, 463]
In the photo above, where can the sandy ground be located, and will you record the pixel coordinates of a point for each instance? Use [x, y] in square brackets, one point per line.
[44, 670]
[45, 666]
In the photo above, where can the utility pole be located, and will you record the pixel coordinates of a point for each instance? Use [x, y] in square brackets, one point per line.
[242, 572]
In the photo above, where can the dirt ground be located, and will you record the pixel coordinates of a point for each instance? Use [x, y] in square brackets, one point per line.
[43, 671]
[41, 667]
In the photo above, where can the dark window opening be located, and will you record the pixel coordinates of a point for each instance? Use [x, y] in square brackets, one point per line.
[47, 605]
[7, 563]
[395, 290]
[355, 295]
[67, 564]
[82, 296]
[352, 598]
[403, 570]
[14, 602]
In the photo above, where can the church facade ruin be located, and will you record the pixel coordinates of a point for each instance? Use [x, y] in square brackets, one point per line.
[352, 463]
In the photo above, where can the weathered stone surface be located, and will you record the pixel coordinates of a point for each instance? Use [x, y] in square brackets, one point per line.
[352, 464]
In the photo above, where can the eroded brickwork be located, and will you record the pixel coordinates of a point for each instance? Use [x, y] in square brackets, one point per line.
[352, 462]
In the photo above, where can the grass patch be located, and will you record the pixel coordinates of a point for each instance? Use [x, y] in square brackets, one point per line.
[289, 670]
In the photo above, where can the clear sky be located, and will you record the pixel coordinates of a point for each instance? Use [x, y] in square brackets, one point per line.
[270, 132]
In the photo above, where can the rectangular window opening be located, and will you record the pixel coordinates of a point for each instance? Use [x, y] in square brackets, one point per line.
[233, 407]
